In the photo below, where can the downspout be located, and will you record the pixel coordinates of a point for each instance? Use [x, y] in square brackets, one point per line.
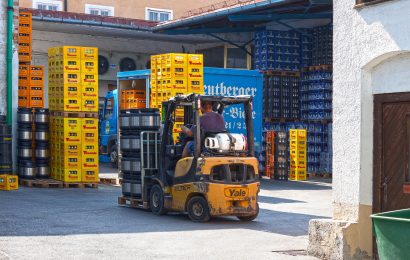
[10, 12]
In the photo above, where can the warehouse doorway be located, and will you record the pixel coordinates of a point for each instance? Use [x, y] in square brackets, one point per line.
[391, 153]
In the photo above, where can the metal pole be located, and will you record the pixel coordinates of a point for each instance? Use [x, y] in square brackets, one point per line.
[10, 11]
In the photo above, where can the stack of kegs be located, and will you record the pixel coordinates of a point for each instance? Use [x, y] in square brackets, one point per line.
[41, 140]
[6, 161]
[33, 143]
[137, 148]
[26, 165]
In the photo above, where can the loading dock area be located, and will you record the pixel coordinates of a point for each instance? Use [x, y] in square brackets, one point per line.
[61, 223]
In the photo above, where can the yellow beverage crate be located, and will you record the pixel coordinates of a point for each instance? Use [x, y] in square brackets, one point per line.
[25, 27]
[9, 182]
[89, 53]
[298, 134]
[195, 60]
[68, 66]
[89, 136]
[89, 104]
[70, 52]
[69, 78]
[155, 61]
[195, 72]
[297, 145]
[89, 124]
[89, 149]
[89, 91]
[298, 154]
[174, 72]
[70, 104]
[73, 124]
[70, 175]
[72, 136]
[298, 175]
[71, 162]
[70, 91]
[89, 66]
[89, 79]
[298, 164]
[175, 136]
[89, 161]
[52, 52]
[177, 85]
[90, 175]
[173, 59]
[195, 86]
[71, 149]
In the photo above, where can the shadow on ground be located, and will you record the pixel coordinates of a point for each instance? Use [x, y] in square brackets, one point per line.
[48, 212]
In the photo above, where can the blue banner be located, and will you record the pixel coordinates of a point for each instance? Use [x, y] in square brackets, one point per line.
[235, 82]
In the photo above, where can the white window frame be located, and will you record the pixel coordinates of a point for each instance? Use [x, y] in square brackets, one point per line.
[89, 7]
[148, 9]
[59, 4]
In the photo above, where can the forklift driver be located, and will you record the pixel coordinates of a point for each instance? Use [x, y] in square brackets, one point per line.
[210, 121]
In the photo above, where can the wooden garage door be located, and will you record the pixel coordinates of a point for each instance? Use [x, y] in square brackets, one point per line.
[391, 151]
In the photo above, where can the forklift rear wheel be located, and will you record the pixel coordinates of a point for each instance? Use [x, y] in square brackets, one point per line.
[156, 201]
[198, 210]
[251, 217]
[114, 156]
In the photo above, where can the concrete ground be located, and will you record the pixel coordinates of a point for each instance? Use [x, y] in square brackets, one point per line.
[88, 224]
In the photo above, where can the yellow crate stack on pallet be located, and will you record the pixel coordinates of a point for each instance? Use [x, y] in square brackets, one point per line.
[298, 147]
[73, 102]
[173, 74]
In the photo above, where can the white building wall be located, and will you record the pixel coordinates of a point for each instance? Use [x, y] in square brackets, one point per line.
[363, 38]
[371, 55]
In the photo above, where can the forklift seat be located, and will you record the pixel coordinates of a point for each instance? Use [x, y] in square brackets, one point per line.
[183, 166]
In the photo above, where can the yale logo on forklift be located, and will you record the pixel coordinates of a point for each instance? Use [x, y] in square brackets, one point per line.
[236, 193]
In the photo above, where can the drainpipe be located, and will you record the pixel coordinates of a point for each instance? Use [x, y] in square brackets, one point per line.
[10, 11]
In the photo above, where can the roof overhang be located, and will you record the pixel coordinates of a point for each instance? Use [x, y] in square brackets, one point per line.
[94, 25]
[250, 16]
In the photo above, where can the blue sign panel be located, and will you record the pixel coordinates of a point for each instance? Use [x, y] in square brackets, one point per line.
[234, 82]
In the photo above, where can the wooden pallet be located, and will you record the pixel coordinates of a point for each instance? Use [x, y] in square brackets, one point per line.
[50, 183]
[319, 175]
[110, 181]
[282, 73]
[131, 202]
[41, 183]
[80, 185]
[74, 114]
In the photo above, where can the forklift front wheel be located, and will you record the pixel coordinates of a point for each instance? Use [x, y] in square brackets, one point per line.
[198, 210]
[114, 156]
[156, 201]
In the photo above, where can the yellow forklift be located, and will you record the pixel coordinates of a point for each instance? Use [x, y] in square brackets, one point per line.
[220, 179]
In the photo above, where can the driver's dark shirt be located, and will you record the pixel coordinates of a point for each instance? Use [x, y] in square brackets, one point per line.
[212, 122]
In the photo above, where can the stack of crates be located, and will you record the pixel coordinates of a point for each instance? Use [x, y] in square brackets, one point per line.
[270, 153]
[73, 78]
[9, 182]
[31, 78]
[281, 166]
[74, 149]
[73, 100]
[175, 74]
[297, 145]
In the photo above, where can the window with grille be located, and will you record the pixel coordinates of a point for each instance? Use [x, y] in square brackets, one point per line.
[51, 5]
[99, 10]
[159, 15]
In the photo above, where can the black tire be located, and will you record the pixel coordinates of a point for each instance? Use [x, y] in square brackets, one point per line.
[114, 156]
[198, 209]
[251, 217]
[156, 200]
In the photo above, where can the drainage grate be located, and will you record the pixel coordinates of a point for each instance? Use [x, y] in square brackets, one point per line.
[291, 252]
